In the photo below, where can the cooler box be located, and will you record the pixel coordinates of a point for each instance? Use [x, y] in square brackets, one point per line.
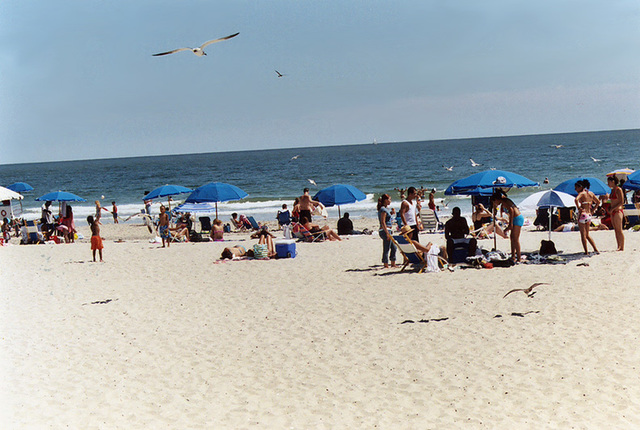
[286, 248]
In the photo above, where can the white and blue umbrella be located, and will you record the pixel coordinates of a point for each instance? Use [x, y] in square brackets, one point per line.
[488, 180]
[215, 192]
[166, 190]
[339, 194]
[195, 208]
[548, 199]
[60, 196]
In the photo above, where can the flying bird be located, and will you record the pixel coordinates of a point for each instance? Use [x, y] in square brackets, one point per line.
[557, 146]
[473, 163]
[198, 51]
[528, 291]
[295, 157]
[448, 168]
[595, 160]
[280, 74]
[312, 182]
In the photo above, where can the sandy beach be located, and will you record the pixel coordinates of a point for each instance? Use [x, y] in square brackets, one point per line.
[164, 338]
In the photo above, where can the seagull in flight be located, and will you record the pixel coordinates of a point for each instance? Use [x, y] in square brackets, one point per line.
[448, 168]
[528, 291]
[312, 182]
[198, 51]
[595, 160]
[280, 74]
[557, 146]
[473, 163]
[295, 157]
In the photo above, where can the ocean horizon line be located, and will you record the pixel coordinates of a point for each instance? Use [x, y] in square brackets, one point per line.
[456, 139]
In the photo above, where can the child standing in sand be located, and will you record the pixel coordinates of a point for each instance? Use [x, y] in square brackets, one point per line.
[163, 227]
[96, 240]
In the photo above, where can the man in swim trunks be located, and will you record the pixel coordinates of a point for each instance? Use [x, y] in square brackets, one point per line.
[306, 205]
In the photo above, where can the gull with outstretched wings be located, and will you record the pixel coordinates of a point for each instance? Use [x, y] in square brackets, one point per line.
[473, 163]
[528, 291]
[199, 51]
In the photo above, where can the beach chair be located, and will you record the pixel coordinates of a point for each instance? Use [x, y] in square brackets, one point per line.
[31, 233]
[631, 215]
[254, 224]
[284, 218]
[429, 220]
[205, 225]
[304, 235]
[409, 252]
[237, 225]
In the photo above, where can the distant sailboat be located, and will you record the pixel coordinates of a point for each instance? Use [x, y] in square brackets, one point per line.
[375, 142]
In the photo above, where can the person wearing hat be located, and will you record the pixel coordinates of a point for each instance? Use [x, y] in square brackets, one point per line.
[441, 251]
[409, 212]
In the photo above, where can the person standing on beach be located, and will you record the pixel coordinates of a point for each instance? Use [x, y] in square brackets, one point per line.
[114, 212]
[585, 201]
[163, 227]
[96, 240]
[385, 218]
[616, 210]
[306, 205]
[516, 221]
[409, 212]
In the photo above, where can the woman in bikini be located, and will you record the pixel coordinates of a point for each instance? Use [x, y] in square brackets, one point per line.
[585, 201]
[616, 210]
[516, 221]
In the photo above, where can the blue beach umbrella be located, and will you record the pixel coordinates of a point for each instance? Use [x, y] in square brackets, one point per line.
[216, 192]
[339, 194]
[488, 180]
[20, 187]
[597, 187]
[166, 190]
[633, 181]
[60, 196]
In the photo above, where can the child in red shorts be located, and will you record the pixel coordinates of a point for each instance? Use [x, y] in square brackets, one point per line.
[96, 240]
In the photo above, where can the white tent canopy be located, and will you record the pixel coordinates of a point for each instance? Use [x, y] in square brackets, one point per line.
[7, 194]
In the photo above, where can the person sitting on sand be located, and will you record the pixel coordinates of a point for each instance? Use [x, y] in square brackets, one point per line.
[217, 230]
[345, 226]
[315, 228]
[456, 230]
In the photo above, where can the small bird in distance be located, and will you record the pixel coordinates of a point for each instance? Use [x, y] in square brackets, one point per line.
[595, 160]
[311, 181]
[295, 157]
[473, 163]
[280, 75]
[199, 51]
[528, 291]
[448, 168]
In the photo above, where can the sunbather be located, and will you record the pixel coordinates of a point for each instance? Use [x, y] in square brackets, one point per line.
[425, 249]
[315, 228]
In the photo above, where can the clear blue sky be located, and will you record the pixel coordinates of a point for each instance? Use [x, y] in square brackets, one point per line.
[78, 80]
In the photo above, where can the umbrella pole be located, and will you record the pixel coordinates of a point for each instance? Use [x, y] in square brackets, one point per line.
[550, 212]
[339, 212]
[495, 238]
[216, 210]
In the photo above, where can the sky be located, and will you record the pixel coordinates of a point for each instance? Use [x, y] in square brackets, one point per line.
[78, 79]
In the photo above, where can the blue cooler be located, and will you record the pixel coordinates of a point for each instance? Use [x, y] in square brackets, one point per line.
[286, 248]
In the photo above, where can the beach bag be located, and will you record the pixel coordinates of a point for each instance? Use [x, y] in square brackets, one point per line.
[227, 228]
[547, 247]
[260, 251]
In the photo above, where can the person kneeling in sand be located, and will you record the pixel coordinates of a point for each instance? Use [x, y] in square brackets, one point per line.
[315, 228]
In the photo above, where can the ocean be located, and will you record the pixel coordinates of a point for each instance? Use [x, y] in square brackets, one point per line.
[274, 177]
